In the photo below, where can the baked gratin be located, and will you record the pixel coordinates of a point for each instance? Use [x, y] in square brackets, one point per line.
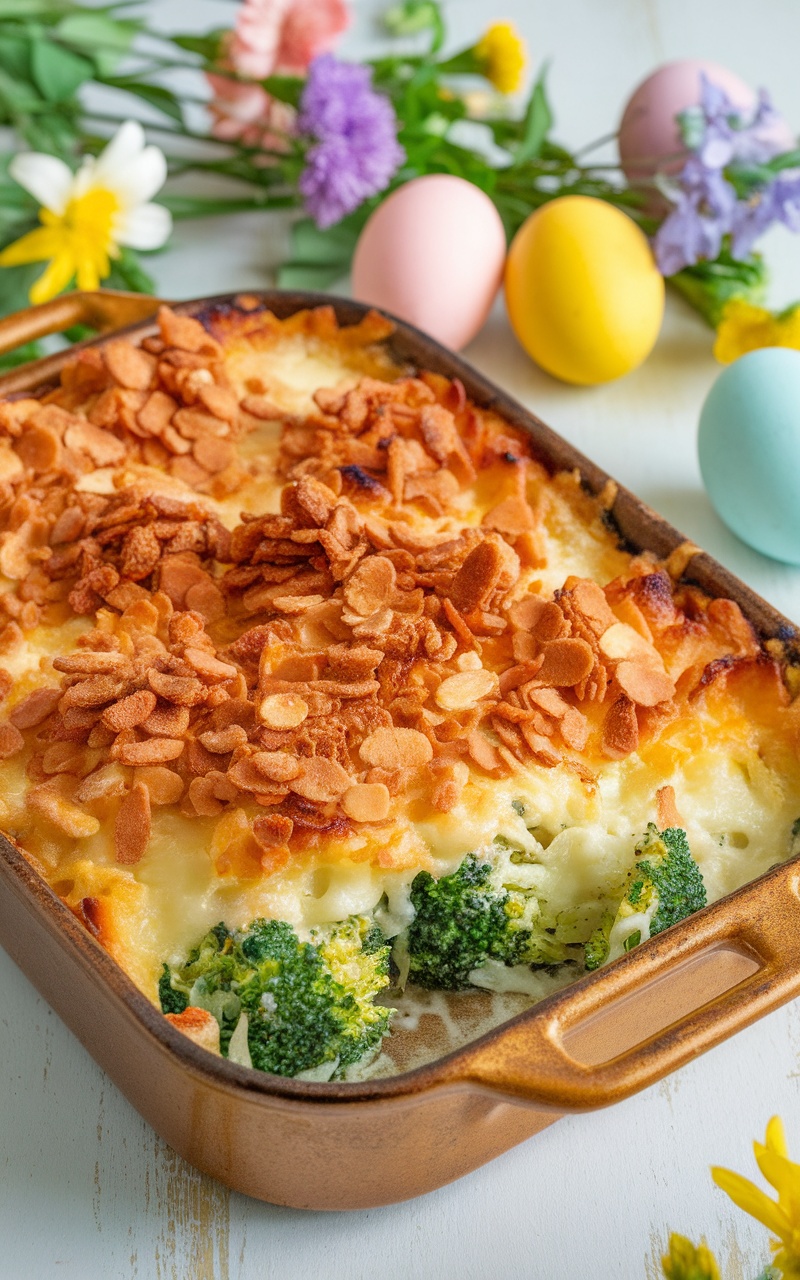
[318, 687]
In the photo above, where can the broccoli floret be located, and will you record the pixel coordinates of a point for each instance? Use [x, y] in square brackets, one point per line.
[306, 1003]
[462, 920]
[664, 886]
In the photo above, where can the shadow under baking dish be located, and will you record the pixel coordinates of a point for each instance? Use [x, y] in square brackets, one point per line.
[345, 1145]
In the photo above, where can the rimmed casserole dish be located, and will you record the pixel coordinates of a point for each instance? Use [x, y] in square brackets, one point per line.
[593, 1043]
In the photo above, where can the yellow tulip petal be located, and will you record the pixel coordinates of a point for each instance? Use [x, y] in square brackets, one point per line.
[36, 246]
[753, 1200]
[53, 280]
[776, 1138]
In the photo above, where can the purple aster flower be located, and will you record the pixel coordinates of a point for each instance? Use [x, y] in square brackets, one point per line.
[355, 150]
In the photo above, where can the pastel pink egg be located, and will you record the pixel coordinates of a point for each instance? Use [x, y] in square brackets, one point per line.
[433, 254]
[648, 131]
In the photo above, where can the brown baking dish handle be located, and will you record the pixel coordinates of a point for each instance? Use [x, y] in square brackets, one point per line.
[102, 310]
[755, 938]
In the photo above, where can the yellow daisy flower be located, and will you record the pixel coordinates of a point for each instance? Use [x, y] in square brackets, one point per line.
[86, 216]
[781, 1216]
[501, 55]
[744, 327]
[686, 1261]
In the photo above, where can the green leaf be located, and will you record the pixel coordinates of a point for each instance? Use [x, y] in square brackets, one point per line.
[106, 40]
[537, 123]
[33, 8]
[19, 96]
[153, 94]
[15, 54]
[708, 286]
[319, 258]
[58, 73]
[285, 88]
[208, 46]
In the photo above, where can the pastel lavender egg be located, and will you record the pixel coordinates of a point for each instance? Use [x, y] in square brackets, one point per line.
[433, 254]
[648, 131]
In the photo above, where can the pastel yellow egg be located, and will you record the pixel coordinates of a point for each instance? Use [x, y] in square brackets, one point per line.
[583, 292]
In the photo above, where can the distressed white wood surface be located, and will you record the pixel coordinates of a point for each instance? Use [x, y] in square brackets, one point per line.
[87, 1190]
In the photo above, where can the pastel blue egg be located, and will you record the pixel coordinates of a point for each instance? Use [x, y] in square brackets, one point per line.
[749, 447]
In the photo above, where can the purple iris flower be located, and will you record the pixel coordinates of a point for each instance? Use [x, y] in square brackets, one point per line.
[355, 151]
[778, 202]
[701, 218]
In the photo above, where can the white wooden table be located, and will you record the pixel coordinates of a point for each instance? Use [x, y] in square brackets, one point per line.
[86, 1188]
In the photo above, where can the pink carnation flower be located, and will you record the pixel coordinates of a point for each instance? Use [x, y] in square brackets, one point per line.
[284, 35]
[246, 113]
[270, 36]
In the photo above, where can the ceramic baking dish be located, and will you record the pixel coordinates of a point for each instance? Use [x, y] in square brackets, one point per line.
[346, 1145]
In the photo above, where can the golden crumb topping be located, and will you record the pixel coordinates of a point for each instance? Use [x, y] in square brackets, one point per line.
[374, 623]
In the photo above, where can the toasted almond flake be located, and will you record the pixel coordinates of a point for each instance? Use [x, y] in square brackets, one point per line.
[105, 783]
[213, 453]
[283, 710]
[574, 729]
[11, 741]
[167, 722]
[221, 741]
[566, 662]
[278, 766]
[468, 661]
[203, 799]
[153, 751]
[464, 689]
[66, 757]
[512, 516]
[206, 665]
[130, 712]
[549, 700]
[49, 801]
[272, 830]
[132, 827]
[540, 746]
[620, 641]
[370, 586]
[156, 413]
[88, 662]
[393, 748]
[184, 690]
[206, 598]
[129, 365]
[667, 808]
[38, 448]
[320, 780]
[621, 729]
[164, 785]
[590, 600]
[104, 449]
[367, 802]
[643, 683]
[35, 708]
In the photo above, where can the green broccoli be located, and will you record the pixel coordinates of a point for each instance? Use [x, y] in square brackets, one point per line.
[464, 919]
[306, 1003]
[664, 886]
